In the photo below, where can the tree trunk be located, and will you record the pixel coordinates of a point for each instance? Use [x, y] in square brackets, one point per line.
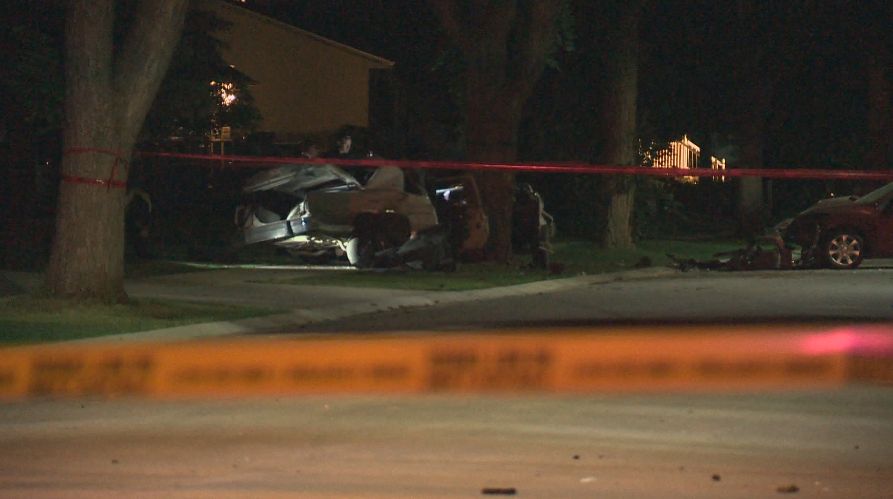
[492, 136]
[619, 122]
[757, 65]
[505, 44]
[618, 231]
[752, 213]
[107, 96]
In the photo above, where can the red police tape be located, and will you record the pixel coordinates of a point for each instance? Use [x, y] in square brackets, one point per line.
[109, 182]
[580, 168]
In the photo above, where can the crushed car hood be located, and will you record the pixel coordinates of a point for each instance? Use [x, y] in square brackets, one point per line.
[297, 179]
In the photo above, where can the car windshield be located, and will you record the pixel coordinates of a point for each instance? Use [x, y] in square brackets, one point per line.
[876, 195]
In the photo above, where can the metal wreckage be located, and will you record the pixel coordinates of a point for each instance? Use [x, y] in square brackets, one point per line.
[321, 212]
[836, 233]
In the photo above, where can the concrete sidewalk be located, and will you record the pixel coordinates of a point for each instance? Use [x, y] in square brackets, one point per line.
[306, 304]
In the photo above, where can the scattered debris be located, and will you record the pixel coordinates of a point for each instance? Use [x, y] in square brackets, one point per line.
[788, 489]
[505, 491]
[576, 456]
[716, 478]
[764, 253]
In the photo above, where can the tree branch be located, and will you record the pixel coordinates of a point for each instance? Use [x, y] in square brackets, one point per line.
[144, 59]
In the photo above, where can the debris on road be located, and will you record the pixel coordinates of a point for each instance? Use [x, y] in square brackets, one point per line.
[506, 491]
[764, 253]
[788, 489]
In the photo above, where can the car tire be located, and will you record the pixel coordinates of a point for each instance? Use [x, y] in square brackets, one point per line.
[843, 249]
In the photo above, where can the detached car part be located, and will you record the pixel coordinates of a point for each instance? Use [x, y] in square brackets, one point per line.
[320, 211]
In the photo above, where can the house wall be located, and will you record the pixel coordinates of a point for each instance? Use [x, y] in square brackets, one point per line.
[305, 83]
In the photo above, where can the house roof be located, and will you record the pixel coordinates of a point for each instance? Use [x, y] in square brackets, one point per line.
[381, 62]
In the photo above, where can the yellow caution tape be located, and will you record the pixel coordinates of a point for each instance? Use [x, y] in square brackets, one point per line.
[555, 360]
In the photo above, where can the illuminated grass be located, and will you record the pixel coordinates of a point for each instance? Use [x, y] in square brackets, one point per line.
[28, 319]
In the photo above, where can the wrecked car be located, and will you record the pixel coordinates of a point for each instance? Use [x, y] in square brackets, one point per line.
[319, 212]
[840, 232]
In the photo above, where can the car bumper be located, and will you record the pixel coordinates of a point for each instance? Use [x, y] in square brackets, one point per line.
[275, 231]
[285, 229]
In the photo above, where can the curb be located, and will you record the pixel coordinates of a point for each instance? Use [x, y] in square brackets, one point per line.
[302, 317]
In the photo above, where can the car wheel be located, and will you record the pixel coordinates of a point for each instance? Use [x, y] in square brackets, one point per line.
[843, 250]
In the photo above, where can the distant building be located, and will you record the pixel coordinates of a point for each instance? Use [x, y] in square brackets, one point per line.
[305, 83]
[684, 154]
[718, 164]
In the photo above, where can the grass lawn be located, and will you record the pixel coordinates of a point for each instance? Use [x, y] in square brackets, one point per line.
[572, 258]
[31, 319]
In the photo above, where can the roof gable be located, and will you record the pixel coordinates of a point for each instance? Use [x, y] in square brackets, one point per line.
[374, 60]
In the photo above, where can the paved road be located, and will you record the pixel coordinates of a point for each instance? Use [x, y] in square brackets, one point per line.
[825, 444]
[712, 297]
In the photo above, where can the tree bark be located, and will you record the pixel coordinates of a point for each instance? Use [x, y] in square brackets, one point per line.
[757, 65]
[108, 94]
[505, 44]
[752, 213]
[619, 121]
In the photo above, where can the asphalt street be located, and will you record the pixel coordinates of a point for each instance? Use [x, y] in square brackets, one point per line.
[833, 444]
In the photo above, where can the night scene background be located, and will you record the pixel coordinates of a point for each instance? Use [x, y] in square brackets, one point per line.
[794, 84]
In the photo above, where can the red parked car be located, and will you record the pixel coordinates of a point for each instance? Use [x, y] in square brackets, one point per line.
[840, 232]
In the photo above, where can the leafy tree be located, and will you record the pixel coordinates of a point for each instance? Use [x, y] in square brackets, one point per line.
[191, 100]
[109, 90]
